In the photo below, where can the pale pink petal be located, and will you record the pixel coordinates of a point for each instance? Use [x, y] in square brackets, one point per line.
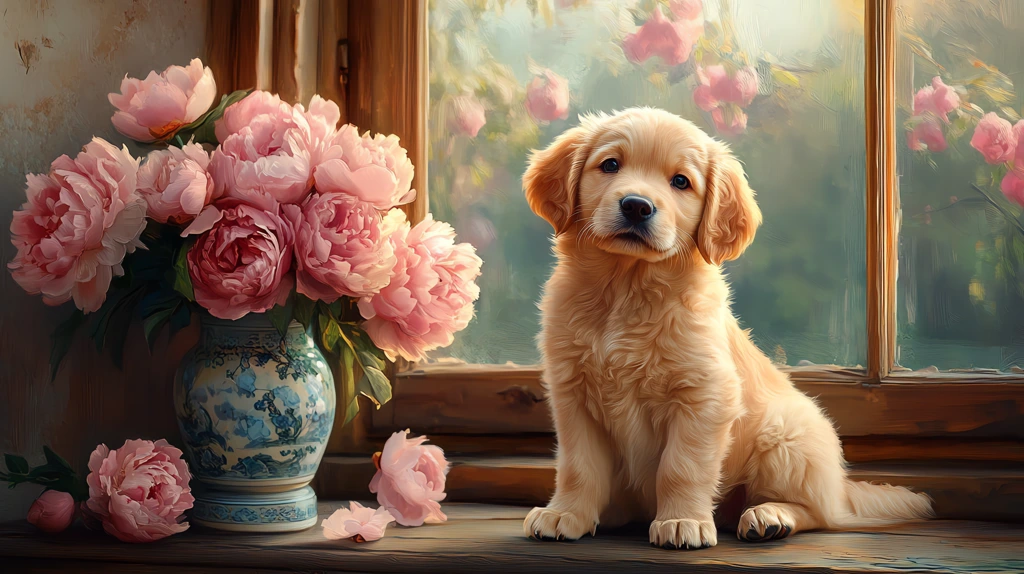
[370, 183]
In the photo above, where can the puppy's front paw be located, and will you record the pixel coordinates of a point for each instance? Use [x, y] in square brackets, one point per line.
[548, 524]
[683, 533]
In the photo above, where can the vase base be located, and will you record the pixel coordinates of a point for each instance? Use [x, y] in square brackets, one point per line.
[255, 511]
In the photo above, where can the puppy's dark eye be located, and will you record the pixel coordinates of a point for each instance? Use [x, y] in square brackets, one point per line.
[610, 165]
[680, 182]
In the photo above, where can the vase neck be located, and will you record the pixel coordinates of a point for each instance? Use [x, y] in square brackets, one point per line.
[252, 324]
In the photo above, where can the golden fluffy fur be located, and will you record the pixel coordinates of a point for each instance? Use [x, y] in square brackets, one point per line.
[661, 402]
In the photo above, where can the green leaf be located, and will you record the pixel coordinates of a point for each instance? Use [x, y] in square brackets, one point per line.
[110, 328]
[330, 332]
[121, 320]
[349, 395]
[54, 459]
[156, 309]
[181, 318]
[16, 464]
[375, 386]
[281, 315]
[182, 280]
[785, 77]
[152, 324]
[304, 310]
[202, 130]
[62, 338]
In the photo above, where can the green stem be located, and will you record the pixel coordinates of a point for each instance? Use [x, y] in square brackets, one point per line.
[1006, 214]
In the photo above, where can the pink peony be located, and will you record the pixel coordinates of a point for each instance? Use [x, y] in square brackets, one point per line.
[358, 522]
[175, 184]
[374, 169]
[52, 512]
[139, 491]
[155, 108]
[739, 89]
[1013, 187]
[993, 137]
[927, 135]
[734, 125]
[671, 41]
[716, 85]
[77, 225]
[1018, 156]
[686, 9]
[703, 98]
[547, 97]
[240, 262]
[410, 479]
[271, 159]
[340, 247]
[466, 115]
[431, 293]
[241, 113]
[937, 99]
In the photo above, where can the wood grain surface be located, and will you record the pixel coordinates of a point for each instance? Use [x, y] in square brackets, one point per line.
[480, 538]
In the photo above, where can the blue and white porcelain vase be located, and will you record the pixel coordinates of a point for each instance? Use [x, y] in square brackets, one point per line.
[255, 410]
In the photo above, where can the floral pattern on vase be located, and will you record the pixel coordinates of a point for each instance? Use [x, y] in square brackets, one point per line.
[255, 408]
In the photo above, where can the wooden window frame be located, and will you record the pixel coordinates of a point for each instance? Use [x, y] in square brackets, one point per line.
[877, 405]
[373, 60]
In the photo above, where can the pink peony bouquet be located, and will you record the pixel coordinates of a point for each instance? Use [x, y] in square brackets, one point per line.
[252, 205]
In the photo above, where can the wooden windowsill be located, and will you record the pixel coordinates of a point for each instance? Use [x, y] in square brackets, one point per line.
[961, 490]
[483, 537]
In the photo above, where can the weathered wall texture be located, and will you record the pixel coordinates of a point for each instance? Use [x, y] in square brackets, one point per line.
[58, 61]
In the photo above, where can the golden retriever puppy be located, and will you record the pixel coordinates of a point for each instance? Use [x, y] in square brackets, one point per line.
[660, 401]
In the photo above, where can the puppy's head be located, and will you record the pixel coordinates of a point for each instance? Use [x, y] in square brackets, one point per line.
[646, 184]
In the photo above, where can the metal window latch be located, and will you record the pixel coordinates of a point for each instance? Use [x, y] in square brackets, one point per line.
[343, 64]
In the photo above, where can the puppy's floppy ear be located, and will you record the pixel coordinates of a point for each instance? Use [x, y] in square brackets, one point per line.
[731, 215]
[552, 177]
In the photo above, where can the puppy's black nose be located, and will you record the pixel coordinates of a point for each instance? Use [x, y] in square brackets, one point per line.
[636, 209]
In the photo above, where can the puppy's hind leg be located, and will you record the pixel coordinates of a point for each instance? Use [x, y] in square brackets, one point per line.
[774, 521]
[796, 472]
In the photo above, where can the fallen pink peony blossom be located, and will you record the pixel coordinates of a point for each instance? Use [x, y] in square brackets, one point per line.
[410, 479]
[140, 491]
[52, 512]
[358, 522]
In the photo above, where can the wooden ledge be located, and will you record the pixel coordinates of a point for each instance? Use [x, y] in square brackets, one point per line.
[971, 491]
[481, 537]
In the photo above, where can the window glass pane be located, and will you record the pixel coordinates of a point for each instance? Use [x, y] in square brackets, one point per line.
[961, 246]
[800, 134]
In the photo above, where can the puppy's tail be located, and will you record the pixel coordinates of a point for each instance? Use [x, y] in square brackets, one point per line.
[882, 504]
